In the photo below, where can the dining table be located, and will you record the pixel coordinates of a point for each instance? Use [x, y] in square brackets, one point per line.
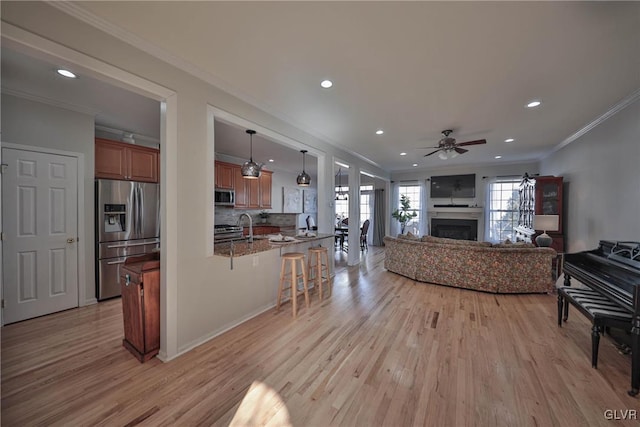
[342, 232]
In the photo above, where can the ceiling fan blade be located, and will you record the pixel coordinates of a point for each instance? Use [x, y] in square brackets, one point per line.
[427, 148]
[476, 142]
[460, 150]
[433, 152]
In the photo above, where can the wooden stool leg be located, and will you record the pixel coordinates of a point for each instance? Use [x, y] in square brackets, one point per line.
[281, 285]
[304, 283]
[318, 273]
[294, 288]
[326, 257]
[560, 306]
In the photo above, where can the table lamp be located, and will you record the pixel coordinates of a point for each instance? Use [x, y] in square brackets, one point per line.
[545, 223]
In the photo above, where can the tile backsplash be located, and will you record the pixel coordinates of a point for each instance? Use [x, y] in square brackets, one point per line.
[230, 216]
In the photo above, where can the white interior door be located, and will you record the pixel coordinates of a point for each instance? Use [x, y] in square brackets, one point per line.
[40, 225]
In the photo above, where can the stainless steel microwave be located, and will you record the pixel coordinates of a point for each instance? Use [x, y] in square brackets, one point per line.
[225, 197]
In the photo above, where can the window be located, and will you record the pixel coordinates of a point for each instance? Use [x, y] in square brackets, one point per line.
[503, 210]
[413, 192]
[366, 200]
[341, 206]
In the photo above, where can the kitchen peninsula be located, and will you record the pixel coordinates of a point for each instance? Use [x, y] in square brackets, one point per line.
[262, 243]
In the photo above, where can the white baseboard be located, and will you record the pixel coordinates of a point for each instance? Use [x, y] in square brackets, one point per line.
[199, 341]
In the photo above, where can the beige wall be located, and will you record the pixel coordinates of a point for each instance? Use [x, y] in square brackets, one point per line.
[210, 297]
[33, 123]
[602, 182]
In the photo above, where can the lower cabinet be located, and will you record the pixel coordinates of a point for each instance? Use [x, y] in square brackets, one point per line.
[140, 285]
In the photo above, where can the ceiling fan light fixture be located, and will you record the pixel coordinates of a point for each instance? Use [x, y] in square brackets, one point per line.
[303, 179]
[250, 169]
[443, 155]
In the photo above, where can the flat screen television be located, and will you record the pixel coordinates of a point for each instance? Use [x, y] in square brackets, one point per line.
[450, 186]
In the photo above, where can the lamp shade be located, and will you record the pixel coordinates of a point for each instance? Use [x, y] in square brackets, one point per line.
[546, 222]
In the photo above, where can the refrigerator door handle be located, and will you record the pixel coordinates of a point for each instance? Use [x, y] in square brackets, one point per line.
[128, 245]
[141, 209]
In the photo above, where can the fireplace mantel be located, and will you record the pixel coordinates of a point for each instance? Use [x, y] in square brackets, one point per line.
[476, 213]
[458, 212]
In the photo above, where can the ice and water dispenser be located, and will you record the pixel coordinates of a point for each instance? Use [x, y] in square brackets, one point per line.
[115, 218]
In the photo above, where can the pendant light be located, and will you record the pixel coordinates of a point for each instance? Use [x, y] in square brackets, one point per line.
[250, 169]
[303, 179]
[341, 195]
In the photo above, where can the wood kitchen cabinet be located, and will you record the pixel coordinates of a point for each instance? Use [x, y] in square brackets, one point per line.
[266, 179]
[119, 160]
[140, 286]
[252, 193]
[225, 175]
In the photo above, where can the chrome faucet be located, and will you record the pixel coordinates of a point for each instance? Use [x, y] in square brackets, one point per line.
[250, 225]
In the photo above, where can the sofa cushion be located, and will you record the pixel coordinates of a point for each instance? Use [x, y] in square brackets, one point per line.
[409, 236]
[433, 239]
[517, 245]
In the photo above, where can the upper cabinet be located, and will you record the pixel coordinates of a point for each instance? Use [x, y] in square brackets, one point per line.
[119, 160]
[224, 175]
[250, 193]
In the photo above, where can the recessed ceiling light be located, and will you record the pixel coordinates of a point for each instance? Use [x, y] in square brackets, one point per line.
[509, 140]
[414, 165]
[326, 84]
[270, 160]
[498, 157]
[534, 103]
[379, 132]
[403, 154]
[66, 73]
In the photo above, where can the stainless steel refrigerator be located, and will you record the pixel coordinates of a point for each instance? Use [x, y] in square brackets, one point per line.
[127, 224]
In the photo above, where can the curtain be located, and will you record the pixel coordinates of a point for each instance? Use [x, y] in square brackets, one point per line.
[378, 217]
[487, 208]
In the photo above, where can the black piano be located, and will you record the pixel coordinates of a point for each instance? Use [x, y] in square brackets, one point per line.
[613, 269]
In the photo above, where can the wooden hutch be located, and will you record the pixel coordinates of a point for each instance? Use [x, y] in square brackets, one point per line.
[540, 195]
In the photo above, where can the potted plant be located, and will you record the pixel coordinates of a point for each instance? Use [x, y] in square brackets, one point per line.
[264, 215]
[403, 215]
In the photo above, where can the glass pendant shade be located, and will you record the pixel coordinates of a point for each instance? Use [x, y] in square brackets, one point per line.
[443, 155]
[303, 179]
[250, 169]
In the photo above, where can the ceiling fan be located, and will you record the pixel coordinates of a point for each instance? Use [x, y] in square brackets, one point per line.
[449, 148]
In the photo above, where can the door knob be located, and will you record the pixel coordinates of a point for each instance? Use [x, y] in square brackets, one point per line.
[71, 240]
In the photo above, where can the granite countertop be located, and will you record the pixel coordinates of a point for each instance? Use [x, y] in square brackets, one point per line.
[260, 244]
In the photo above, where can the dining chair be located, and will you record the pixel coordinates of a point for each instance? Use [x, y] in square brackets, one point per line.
[363, 235]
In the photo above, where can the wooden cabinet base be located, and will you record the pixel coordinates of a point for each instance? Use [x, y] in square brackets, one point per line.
[142, 357]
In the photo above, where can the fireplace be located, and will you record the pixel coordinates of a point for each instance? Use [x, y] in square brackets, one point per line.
[460, 229]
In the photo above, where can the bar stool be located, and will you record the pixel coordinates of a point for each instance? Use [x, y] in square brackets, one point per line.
[292, 259]
[319, 271]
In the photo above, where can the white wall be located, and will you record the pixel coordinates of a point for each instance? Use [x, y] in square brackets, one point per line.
[32, 123]
[602, 182]
[209, 295]
[490, 171]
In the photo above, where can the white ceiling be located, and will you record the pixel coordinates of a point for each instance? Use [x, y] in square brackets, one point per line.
[410, 68]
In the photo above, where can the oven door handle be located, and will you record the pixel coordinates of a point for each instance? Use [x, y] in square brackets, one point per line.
[115, 262]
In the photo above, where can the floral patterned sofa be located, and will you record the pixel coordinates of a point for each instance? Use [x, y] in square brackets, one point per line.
[499, 268]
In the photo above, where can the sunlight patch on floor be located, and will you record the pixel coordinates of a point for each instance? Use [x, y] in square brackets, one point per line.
[261, 406]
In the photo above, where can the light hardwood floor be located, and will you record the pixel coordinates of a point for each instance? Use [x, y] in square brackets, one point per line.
[382, 350]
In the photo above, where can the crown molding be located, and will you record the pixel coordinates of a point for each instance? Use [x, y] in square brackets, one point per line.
[613, 110]
[83, 15]
[49, 101]
[137, 136]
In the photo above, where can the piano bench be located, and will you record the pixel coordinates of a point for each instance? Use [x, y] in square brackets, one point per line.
[601, 311]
